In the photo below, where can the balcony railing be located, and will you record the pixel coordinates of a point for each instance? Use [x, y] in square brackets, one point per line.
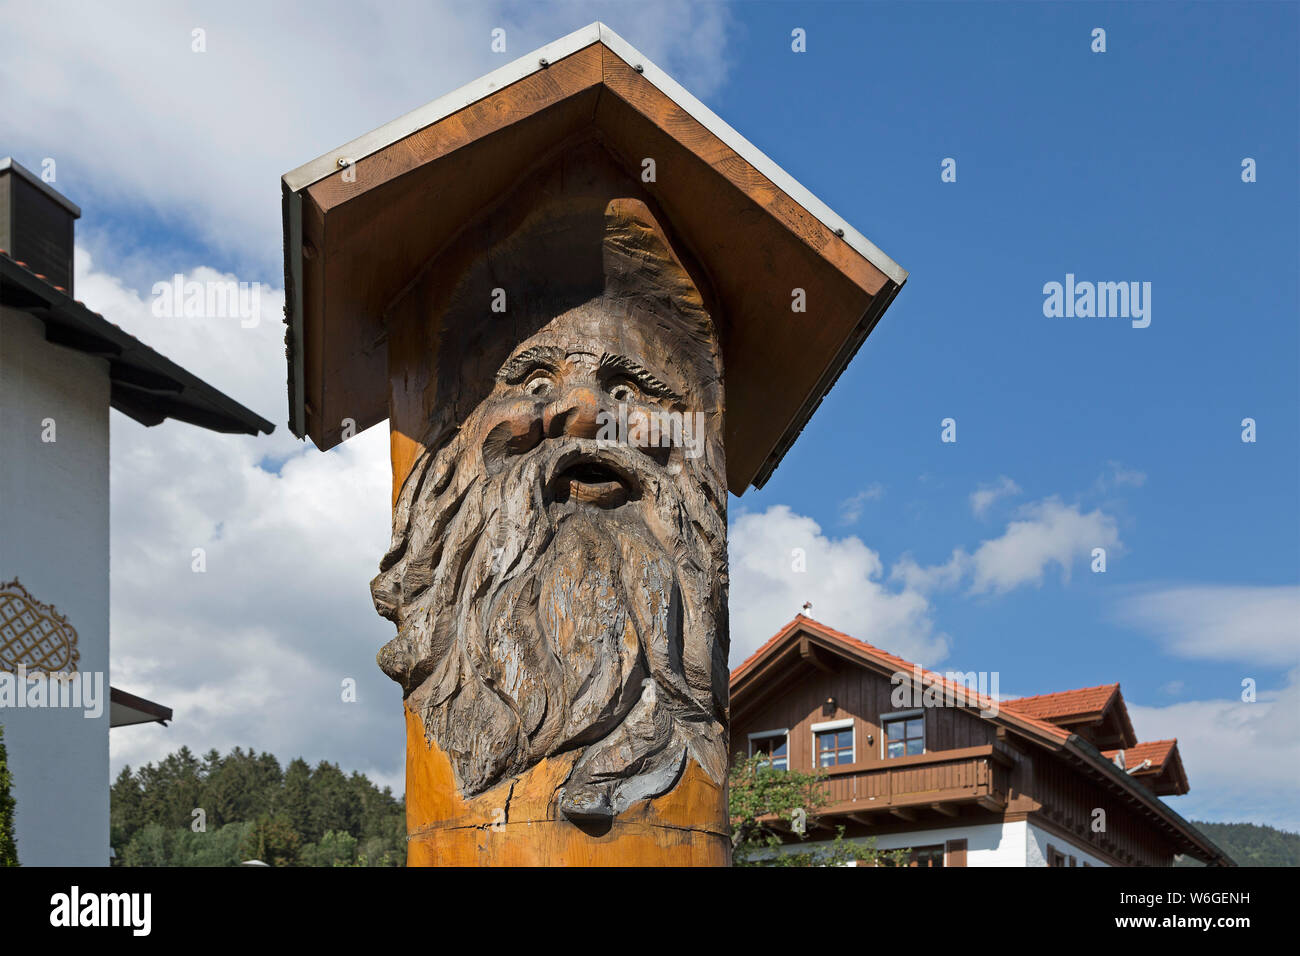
[979, 775]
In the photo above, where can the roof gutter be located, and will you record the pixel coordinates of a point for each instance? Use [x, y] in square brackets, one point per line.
[146, 385]
[1081, 749]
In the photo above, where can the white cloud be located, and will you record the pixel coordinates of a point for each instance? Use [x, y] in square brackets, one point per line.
[983, 497]
[851, 508]
[1253, 624]
[253, 650]
[1242, 759]
[135, 119]
[936, 577]
[842, 580]
[1045, 533]
[1119, 477]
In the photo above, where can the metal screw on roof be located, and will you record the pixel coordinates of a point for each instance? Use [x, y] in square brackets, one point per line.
[639, 68]
[344, 162]
[543, 62]
[840, 233]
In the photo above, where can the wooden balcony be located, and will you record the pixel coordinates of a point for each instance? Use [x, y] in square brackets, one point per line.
[941, 781]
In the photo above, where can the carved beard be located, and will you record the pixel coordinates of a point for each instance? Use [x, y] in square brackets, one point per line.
[528, 627]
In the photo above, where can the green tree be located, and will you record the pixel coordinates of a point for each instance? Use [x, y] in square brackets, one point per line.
[8, 845]
[244, 786]
[295, 798]
[149, 846]
[272, 840]
[1250, 844]
[125, 816]
[170, 791]
[767, 806]
[300, 816]
[219, 847]
[333, 804]
[334, 849]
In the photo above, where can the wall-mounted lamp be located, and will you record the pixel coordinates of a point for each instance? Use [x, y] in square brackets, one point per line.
[828, 708]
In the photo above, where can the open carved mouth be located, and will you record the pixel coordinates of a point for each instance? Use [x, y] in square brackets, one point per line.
[593, 481]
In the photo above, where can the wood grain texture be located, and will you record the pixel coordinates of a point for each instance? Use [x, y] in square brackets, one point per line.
[560, 592]
[515, 824]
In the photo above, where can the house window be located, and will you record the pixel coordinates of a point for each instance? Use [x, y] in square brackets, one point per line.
[927, 856]
[775, 744]
[833, 743]
[904, 734]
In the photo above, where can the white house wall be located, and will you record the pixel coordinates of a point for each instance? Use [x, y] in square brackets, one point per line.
[1017, 843]
[1038, 838]
[54, 538]
[987, 844]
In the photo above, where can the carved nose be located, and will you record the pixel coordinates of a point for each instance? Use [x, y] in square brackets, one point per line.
[573, 414]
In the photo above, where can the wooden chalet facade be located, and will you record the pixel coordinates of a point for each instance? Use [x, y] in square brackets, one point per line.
[918, 760]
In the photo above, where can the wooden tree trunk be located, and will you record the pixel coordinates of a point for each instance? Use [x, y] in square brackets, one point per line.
[560, 597]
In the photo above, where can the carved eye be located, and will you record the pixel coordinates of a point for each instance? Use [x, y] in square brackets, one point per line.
[622, 391]
[539, 383]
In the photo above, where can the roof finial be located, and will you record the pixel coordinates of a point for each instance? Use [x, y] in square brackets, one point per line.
[807, 606]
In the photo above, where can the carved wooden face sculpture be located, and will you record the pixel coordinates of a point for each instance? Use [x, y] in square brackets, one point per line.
[558, 566]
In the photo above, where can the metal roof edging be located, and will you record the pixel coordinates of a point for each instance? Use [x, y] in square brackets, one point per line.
[22, 172]
[327, 164]
[417, 119]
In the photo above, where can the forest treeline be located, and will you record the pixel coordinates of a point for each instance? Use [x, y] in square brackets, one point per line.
[1252, 844]
[226, 810]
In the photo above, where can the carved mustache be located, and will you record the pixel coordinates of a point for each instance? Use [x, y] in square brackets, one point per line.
[579, 470]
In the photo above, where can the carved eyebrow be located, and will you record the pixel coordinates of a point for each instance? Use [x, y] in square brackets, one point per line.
[518, 366]
[647, 380]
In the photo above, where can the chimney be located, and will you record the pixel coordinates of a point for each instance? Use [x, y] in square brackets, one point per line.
[36, 224]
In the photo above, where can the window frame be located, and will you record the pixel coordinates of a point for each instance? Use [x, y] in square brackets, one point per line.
[935, 853]
[887, 719]
[825, 726]
[764, 734]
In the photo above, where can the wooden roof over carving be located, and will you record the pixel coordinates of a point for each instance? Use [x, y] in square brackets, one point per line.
[361, 221]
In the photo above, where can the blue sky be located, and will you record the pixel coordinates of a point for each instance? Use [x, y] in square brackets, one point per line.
[1115, 166]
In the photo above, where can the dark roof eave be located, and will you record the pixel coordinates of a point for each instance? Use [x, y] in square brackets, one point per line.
[146, 385]
[1081, 749]
[160, 713]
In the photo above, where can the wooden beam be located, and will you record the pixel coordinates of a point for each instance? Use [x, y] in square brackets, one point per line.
[810, 654]
[945, 809]
[903, 813]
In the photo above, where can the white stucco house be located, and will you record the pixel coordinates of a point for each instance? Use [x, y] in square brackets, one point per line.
[62, 367]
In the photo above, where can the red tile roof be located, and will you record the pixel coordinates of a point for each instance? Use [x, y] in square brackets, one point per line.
[894, 663]
[1084, 702]
[1086, 705]
[1157, 751]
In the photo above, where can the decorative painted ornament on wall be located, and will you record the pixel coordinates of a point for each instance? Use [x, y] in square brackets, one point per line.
[33, 634]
